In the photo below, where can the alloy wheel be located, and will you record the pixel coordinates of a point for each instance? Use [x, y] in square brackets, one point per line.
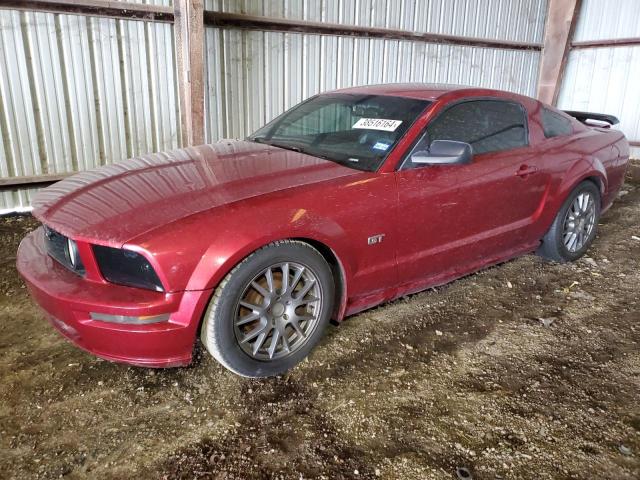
[579, 222]
[278, 311]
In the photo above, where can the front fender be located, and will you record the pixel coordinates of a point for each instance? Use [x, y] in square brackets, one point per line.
[198, 251]
[225, 252]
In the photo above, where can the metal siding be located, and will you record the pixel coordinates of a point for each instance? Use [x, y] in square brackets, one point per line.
[160, 3]
[517, 20]
[258, 75]
[605, 80]
[606, 20]
[251, 76]
[77, 92]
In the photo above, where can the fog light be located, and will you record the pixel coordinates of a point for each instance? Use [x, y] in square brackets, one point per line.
[103, 317]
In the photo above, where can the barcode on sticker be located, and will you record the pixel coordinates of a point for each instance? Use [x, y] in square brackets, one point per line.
[377, 124]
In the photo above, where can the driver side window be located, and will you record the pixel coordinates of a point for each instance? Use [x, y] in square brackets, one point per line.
[487, 125]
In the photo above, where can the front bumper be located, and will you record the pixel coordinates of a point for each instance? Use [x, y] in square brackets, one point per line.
[68, 300]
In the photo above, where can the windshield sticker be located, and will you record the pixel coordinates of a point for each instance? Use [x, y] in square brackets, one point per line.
[377, 124]
[381, 146]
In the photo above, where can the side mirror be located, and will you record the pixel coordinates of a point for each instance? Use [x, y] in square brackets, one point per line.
[444, 152]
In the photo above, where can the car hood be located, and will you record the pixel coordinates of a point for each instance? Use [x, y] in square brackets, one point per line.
[115, 203]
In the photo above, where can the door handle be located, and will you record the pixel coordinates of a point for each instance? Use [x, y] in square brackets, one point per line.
[525, 170]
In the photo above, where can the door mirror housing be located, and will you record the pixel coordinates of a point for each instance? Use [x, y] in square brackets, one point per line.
[444, 152]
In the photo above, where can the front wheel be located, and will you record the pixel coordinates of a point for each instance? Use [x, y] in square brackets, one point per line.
[575, 225]
[271, 310]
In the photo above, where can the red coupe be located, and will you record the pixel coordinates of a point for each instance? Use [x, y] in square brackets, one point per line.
[350, 199]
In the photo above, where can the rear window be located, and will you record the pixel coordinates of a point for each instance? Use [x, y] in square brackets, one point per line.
[555, 125]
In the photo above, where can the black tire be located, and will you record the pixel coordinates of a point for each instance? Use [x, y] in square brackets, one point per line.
[219, 332]
[553, 246]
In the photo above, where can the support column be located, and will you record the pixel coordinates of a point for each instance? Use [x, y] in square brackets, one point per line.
[189, 45]
[562, 16]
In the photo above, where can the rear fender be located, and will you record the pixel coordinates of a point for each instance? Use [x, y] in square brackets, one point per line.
[581, 170]
[586, 168]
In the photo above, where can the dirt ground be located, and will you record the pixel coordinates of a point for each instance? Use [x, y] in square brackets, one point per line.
[528, 370]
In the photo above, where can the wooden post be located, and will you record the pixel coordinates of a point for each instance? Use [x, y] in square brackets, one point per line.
[562, 16]
[189, 41]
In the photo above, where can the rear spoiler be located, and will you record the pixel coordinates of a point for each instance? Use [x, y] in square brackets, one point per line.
[595, 118]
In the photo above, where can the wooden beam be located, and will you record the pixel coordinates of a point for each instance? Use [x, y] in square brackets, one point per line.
[189, 41]
[251, 22]
[94, 8]
[9, 182]
[614, 42]
[562, 17]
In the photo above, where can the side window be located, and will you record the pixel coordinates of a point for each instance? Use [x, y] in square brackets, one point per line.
[555, 125]
[487, 125]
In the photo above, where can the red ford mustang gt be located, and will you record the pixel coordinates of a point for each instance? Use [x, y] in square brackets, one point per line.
[350, 199]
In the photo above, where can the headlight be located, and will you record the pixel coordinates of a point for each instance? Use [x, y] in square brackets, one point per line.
[63, 250]
[126, 267]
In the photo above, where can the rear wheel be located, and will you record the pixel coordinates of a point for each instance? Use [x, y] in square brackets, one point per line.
[575, 225]
[270, 310]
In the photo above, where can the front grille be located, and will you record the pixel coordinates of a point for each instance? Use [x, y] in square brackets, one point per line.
[58, 248]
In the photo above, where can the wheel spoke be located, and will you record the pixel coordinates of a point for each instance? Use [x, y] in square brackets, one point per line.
[296, 278]
[581, 239]
[260, 289]
[309, 299]
[269, 276]
[259, 330]
[576, 207]
[567, 239]
[275, 338]
[307, 286]
[248, 319]
[302, 318]
[250, 306]
[296, 326]
[259, 342]
[285, 342]
[285, 278]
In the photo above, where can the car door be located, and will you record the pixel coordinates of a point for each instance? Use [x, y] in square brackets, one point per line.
[456, 218]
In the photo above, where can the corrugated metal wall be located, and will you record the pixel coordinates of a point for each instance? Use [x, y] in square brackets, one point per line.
[253, 76]
[77, 92]
[606, 79]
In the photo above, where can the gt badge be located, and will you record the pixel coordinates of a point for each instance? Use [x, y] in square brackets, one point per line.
[375, 239]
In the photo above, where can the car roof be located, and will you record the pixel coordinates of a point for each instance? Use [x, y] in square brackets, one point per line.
[425, 91]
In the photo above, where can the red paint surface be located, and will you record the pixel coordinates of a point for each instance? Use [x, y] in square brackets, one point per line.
[195, 213]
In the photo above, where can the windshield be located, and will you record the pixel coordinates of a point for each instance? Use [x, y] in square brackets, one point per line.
[358, 131]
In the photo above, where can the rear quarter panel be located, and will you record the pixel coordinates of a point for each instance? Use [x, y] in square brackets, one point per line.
[600, 154]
